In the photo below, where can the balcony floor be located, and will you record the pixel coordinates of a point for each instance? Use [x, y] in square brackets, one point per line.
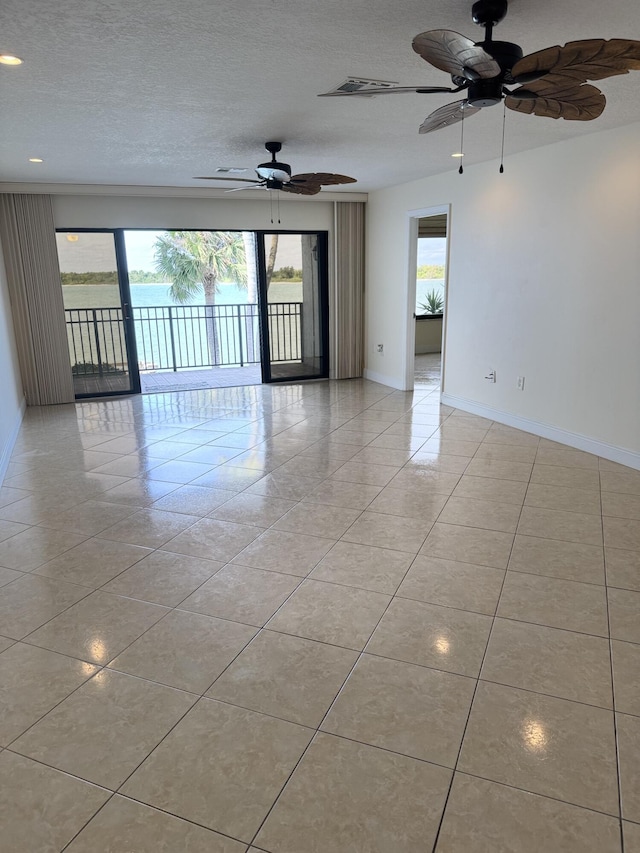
[190, 380]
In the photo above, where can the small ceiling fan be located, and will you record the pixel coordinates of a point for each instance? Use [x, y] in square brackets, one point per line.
[277, 176]
[550, 82]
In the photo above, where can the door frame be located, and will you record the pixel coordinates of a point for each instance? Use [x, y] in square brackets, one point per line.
[323, 304]
[408, 358]
[125, 305]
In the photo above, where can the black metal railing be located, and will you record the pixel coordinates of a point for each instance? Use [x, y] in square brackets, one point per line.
[177, 337]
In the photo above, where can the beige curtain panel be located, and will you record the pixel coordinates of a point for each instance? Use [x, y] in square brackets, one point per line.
[28, 237]
[349, 289]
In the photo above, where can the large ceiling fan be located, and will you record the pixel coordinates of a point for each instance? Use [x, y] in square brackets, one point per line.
[550, 82]
[277, 176]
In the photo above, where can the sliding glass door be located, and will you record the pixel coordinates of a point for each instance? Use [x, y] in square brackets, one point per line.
[293, 296]
[100, 333]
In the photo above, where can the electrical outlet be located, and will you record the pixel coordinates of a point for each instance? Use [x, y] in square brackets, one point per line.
[520, 383]
[491, 376]
[380, 347]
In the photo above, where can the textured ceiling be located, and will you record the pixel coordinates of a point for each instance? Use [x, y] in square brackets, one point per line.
[151, 93]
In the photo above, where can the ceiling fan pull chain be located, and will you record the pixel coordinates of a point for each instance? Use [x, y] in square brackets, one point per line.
[461, 170]
[271, 207]
[504, 122]
[278, 205]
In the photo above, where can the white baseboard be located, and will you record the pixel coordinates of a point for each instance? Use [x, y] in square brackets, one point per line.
[630, 458]
[7, 450]
[372, 376]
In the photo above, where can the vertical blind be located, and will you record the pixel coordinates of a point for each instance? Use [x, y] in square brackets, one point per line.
[349, 289]
[27, 232]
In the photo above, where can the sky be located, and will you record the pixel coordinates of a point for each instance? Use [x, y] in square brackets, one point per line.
[432, 250]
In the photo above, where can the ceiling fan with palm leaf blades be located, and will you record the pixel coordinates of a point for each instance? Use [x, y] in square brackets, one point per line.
[550, 82]
[277, 176]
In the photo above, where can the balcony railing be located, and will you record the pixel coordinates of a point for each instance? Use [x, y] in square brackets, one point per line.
[179, 337]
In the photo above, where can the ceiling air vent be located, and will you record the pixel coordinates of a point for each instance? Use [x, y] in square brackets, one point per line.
[354, 84]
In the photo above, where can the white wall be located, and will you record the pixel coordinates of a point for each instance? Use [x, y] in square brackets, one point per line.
[11, 395]
[544, 282]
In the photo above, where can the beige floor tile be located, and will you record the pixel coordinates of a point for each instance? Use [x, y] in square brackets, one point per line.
[97, 628]
[484, 488]
[139, 492]
[179, 471]
[382, 530]
[9, 575]
[229, 477]
[424, 478]
[149, 527]
[287, 677]
[397, 442]
[37, 508]
[627, 482]
[488, 515]
[163, 578]
[126, 825]
[93, 562]
[549, 660]
[506, 452]
[106, 728]
[626, 676]
[10, 528]
[210, 455]
[392, 501]
[289, 553]
[213, 539]
[563, 498]
[566, 458]
[553, 602]
[500, 469]
[468, 545]
[549, 746]
[405, 708]
[286, 486]
[437, 463]
[557, 524]
[133, 465]
[32, 681]
[9, 495]
[629, 757]
[382, 456]
[631, 833]
[338, 493]
[221, 767]
[377, 569]
[554, 558]
[621, 506]
[452, 584]
[428, 635]
[441, 444]
[362, 472]
[339, 615]
[623, 568]
[486, 817]
[42, 809]
[242, 594]
[624, 614]
[621, 533]
[30, 601]
[88, 518]
[318, 520]
[570, 478]
[185, 650]
[33, 546]
[456, 432]
[193, 500]
[349, 796]
[259, 510]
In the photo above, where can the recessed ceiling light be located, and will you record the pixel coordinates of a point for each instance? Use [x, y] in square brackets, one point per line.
[72, 238]
[9, 59]
[36, 160]
[457, 154]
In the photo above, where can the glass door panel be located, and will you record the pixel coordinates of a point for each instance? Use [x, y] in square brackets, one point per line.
[99, 331]
[294, 306]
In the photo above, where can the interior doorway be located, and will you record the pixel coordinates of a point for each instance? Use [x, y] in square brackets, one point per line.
[427, 297]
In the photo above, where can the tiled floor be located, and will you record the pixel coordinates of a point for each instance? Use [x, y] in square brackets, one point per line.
[331, 618]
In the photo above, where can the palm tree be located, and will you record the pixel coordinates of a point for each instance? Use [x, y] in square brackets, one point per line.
[197, 261]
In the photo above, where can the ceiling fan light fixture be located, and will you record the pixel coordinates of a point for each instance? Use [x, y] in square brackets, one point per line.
[457, 154]
[10, 59]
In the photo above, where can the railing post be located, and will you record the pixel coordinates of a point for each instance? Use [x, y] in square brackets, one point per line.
[240, 335]
[97, 337]
[173, 343]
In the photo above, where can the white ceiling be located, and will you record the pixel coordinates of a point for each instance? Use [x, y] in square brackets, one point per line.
[151, 93]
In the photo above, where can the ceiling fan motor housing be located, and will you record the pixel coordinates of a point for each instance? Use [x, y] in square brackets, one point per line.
[505, 53]
[485, 93]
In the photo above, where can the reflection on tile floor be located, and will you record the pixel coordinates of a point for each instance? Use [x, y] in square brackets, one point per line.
[315, 619]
